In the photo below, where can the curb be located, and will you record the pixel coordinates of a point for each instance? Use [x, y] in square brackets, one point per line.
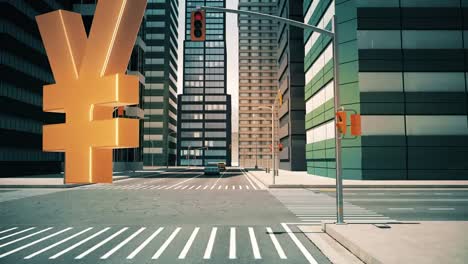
[296, 186]
[54, 186]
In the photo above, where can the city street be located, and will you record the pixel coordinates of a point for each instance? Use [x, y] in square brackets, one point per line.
[178, 216]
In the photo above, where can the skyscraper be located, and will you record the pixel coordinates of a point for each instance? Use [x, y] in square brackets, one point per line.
[291, 114]
[160, 94]
[403, 68]
[258, 83]
[23, 72]
[204, 116]
[131, 158]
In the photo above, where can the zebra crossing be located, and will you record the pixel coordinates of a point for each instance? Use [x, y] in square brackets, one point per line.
[118, 243]
[314, 208]
[180, 187]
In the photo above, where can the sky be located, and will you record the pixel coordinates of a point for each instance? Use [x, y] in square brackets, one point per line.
[232, 45]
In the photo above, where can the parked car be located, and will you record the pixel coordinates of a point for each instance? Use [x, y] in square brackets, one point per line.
[222, 166]
[211, 169]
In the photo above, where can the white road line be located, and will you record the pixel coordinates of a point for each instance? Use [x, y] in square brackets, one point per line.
[179, 183]
[198, 187]
[219, 187]
[34, 242]
[443, 193]
[376, 194]
[298, 243]
[253, 241]
[79, 243]
[191, 187]
[184, 187]
[248, 179]
[247, 187]
[4, 231]
[220, 176]
[277, 245]
[206, 186]
[145, 243]
[56, 244]
[410, 193]
[84, 254]
[209, 246]
[189, 243]
[174, 188]
[162, 187]
[226, 187]
[232, 244]
[441, 209]
[240, 187]
[17, 233]
[166, 244]
[123, 243]
[25, 237]
[396, 209]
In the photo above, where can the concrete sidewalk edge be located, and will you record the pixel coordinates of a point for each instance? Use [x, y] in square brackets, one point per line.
[53, 186]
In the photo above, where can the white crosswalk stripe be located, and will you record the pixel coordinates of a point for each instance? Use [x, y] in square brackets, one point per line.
[314, 208]
[200, 242]
[195, 187]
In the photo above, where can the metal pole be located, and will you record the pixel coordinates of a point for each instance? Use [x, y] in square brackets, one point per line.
[273, 142]
[336, 86]
[256, 151]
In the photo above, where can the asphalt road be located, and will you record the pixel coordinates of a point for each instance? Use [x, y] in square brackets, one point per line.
[178, 216]
[410, 204]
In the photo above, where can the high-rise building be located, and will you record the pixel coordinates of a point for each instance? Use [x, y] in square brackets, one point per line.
[403, 68]
[131, 158]
[291, 114]
[258, 83]
[204, 112]
[24, 69]
[160, 94]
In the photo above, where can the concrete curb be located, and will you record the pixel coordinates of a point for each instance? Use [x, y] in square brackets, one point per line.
[53, 186]
[318, 186]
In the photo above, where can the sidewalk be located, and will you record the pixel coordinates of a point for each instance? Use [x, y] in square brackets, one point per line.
[424, 242]
[56, 180]
[300, 179]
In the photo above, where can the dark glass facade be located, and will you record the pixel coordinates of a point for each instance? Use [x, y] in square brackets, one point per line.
[204, 108]
[24, 69]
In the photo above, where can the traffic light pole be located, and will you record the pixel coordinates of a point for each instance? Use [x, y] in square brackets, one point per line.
[333, 35]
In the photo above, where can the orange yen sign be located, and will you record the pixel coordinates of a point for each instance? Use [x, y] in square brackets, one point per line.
[90, 82]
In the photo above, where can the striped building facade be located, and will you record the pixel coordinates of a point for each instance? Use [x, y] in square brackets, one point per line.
[403, 67]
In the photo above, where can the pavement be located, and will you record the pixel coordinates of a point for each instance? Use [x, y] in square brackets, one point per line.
[417, 243]
[300, 179]
[169, 217]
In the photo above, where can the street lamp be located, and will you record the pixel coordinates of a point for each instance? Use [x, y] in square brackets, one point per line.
[333, 34]
[262, 118]
[167, 148]
[273, 161]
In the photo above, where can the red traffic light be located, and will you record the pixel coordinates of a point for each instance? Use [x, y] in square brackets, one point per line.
[198, 16]
[198, 26]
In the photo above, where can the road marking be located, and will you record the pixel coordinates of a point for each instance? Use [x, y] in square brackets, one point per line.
[4, 231]
[220, 176]
[277, 245]
[298, 243]
[232, 244]
[226, 187]
[33, 243]
[441, 209]
[219, 187]
[179, 183]
[395, 209]
[166, 244]
[123, 243]
[209, 246]
[79, 243]
[191, 187]
[206, 186]
[163, 186]
[253, 241]
[240, 187]
[410, 193]
[145, 243]
[198, 187]
[189, 243]
[249, 180]
[443, 193]
[56, 244]
[84, 254]
[376, 194]
[17, 233]
[247, 187]
[233, 187]
[174, 188]
[184, 187]
[25, 237]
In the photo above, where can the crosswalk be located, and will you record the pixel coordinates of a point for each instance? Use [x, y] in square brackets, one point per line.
[314, 207]
[169, 243]
[178, 187]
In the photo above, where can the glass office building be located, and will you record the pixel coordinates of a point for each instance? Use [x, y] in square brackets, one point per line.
[160, 94]
[24, 69]
[291, 132]
[204, 108]
[403, 68]
[258, 84]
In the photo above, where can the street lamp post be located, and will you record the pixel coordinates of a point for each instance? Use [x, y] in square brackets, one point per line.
[333, 34]
[267, 165]
[167, 148]
[273, 165]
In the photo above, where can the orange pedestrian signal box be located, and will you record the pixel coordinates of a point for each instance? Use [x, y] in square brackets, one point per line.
[198, 26]
[341, 121]
[356, 125]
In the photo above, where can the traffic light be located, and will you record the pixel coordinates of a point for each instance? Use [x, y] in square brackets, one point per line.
[341, 121]
[280, 147]
[198, 29]
[280, 98]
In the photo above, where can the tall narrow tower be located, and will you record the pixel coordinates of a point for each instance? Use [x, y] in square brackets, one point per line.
[204, 108]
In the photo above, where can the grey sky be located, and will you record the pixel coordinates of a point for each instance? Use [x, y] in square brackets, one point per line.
[232, 56]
